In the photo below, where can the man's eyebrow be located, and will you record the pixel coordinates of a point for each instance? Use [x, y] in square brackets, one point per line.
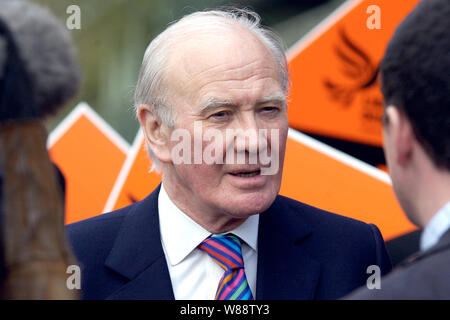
[214, 103]
[277, 98]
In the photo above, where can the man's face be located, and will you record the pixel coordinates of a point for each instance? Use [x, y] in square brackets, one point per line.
[222, 84]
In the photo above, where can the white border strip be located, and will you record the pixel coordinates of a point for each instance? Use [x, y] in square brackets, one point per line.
[121, 178]
[84, 109]
[323, 26]
[340, 156]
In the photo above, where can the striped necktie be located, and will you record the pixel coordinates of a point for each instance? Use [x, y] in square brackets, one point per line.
[225, 250]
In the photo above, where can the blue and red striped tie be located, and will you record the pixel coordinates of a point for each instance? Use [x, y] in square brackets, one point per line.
[226, 251]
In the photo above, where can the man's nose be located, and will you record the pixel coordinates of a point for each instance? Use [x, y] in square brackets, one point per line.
[247, 137]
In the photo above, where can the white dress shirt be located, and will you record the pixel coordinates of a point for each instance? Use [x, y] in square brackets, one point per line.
[437, 226]
[194, 275]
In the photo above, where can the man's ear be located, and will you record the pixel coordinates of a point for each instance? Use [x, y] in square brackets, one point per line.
[400, 134]
[156, 133]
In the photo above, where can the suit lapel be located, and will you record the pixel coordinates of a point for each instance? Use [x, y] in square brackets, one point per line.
[137, 254]
[285, 269]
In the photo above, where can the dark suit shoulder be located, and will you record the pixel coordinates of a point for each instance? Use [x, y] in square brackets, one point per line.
[115, 247]
[426, 278]
[98, 224]
[323, 219]
[92, 239]
[340, 233]
[344, 247]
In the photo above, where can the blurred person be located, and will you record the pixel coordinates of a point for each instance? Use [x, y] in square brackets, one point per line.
[220, 230]
[415, 76]
[39, 74]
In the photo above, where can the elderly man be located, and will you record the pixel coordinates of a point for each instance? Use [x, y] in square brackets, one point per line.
[416, 85]
[216, 227]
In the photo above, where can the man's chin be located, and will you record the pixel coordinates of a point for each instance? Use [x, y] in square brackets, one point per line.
[248, 206]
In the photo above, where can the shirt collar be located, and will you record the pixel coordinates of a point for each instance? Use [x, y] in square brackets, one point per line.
[248, 231]
[437, 226]
[180, 235]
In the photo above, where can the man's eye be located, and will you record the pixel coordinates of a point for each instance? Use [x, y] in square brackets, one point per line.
[219, 115]
[270, 109]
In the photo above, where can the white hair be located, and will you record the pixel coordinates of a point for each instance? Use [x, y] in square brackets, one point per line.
[151, 89]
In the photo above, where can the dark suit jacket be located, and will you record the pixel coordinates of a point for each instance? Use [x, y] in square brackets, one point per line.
[425, 275]
[303, 253]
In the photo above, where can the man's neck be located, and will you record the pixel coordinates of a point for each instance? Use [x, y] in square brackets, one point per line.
[214, 222]
[433, 194]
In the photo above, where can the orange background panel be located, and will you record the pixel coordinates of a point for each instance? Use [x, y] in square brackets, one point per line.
[139, 181]
[322, 181]
[348, 111]
[90, 162]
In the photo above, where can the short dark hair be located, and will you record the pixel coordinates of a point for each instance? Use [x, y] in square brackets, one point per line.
[415, 76]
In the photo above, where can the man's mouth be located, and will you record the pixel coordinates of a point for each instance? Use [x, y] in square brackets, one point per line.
[246, 174]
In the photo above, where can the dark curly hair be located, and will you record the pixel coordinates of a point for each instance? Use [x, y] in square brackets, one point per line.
[415, 76]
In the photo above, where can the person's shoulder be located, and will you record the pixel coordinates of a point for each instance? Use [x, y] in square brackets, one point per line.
[92, 239]
[430, 274]
[98, 221]
[425, 278]
[335, 229]
[344, 247]
[319, 216]
[98, 228]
